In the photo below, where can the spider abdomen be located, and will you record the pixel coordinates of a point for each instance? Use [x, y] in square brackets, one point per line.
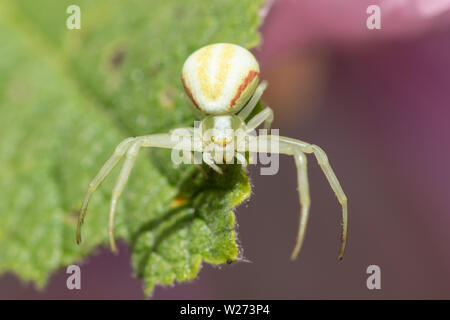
[220, 78]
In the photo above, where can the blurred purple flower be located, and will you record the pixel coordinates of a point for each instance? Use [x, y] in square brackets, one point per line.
[293, 23]
[385, 112]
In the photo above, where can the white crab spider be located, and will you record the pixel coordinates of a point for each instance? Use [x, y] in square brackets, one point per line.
[222, 82]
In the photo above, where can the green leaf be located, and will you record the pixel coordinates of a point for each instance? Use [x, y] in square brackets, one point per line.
[68, 97]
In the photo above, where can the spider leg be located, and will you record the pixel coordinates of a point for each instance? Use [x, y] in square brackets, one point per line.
[322, 159]
[265, 116]
[248, 108]
[242, 161]
[207, 157]
[118, 188]
[303, 190]
[130, 146]
[291, 146]
[181, 131]
[158, 140]
[120, 150]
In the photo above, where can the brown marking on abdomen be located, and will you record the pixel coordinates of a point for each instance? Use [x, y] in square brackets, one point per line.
[249, 78]
[189, 93]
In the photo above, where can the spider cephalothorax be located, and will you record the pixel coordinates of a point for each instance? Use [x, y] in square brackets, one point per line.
[222, 82]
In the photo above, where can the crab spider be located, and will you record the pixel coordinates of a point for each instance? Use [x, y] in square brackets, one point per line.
[222, 81]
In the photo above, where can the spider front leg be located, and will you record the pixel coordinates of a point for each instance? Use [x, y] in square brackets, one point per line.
[120, 150]
[322, 159]
[296, 148]
[291, 146]
[131, 147]
[120, 185]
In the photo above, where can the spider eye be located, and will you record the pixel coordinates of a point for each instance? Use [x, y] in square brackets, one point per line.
[220, 78]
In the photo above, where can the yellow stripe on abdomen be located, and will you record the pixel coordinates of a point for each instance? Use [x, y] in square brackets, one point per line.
[212, 85]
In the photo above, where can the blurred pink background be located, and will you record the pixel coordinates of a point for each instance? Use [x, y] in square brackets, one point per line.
[378, 102]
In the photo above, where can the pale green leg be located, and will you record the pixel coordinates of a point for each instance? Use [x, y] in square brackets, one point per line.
[130, 146]
[102, 174]
[242, 161]
[292, 147]
[207, 157]
[265, 116]
[118, 188]
[248, 108]
[303, 190]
